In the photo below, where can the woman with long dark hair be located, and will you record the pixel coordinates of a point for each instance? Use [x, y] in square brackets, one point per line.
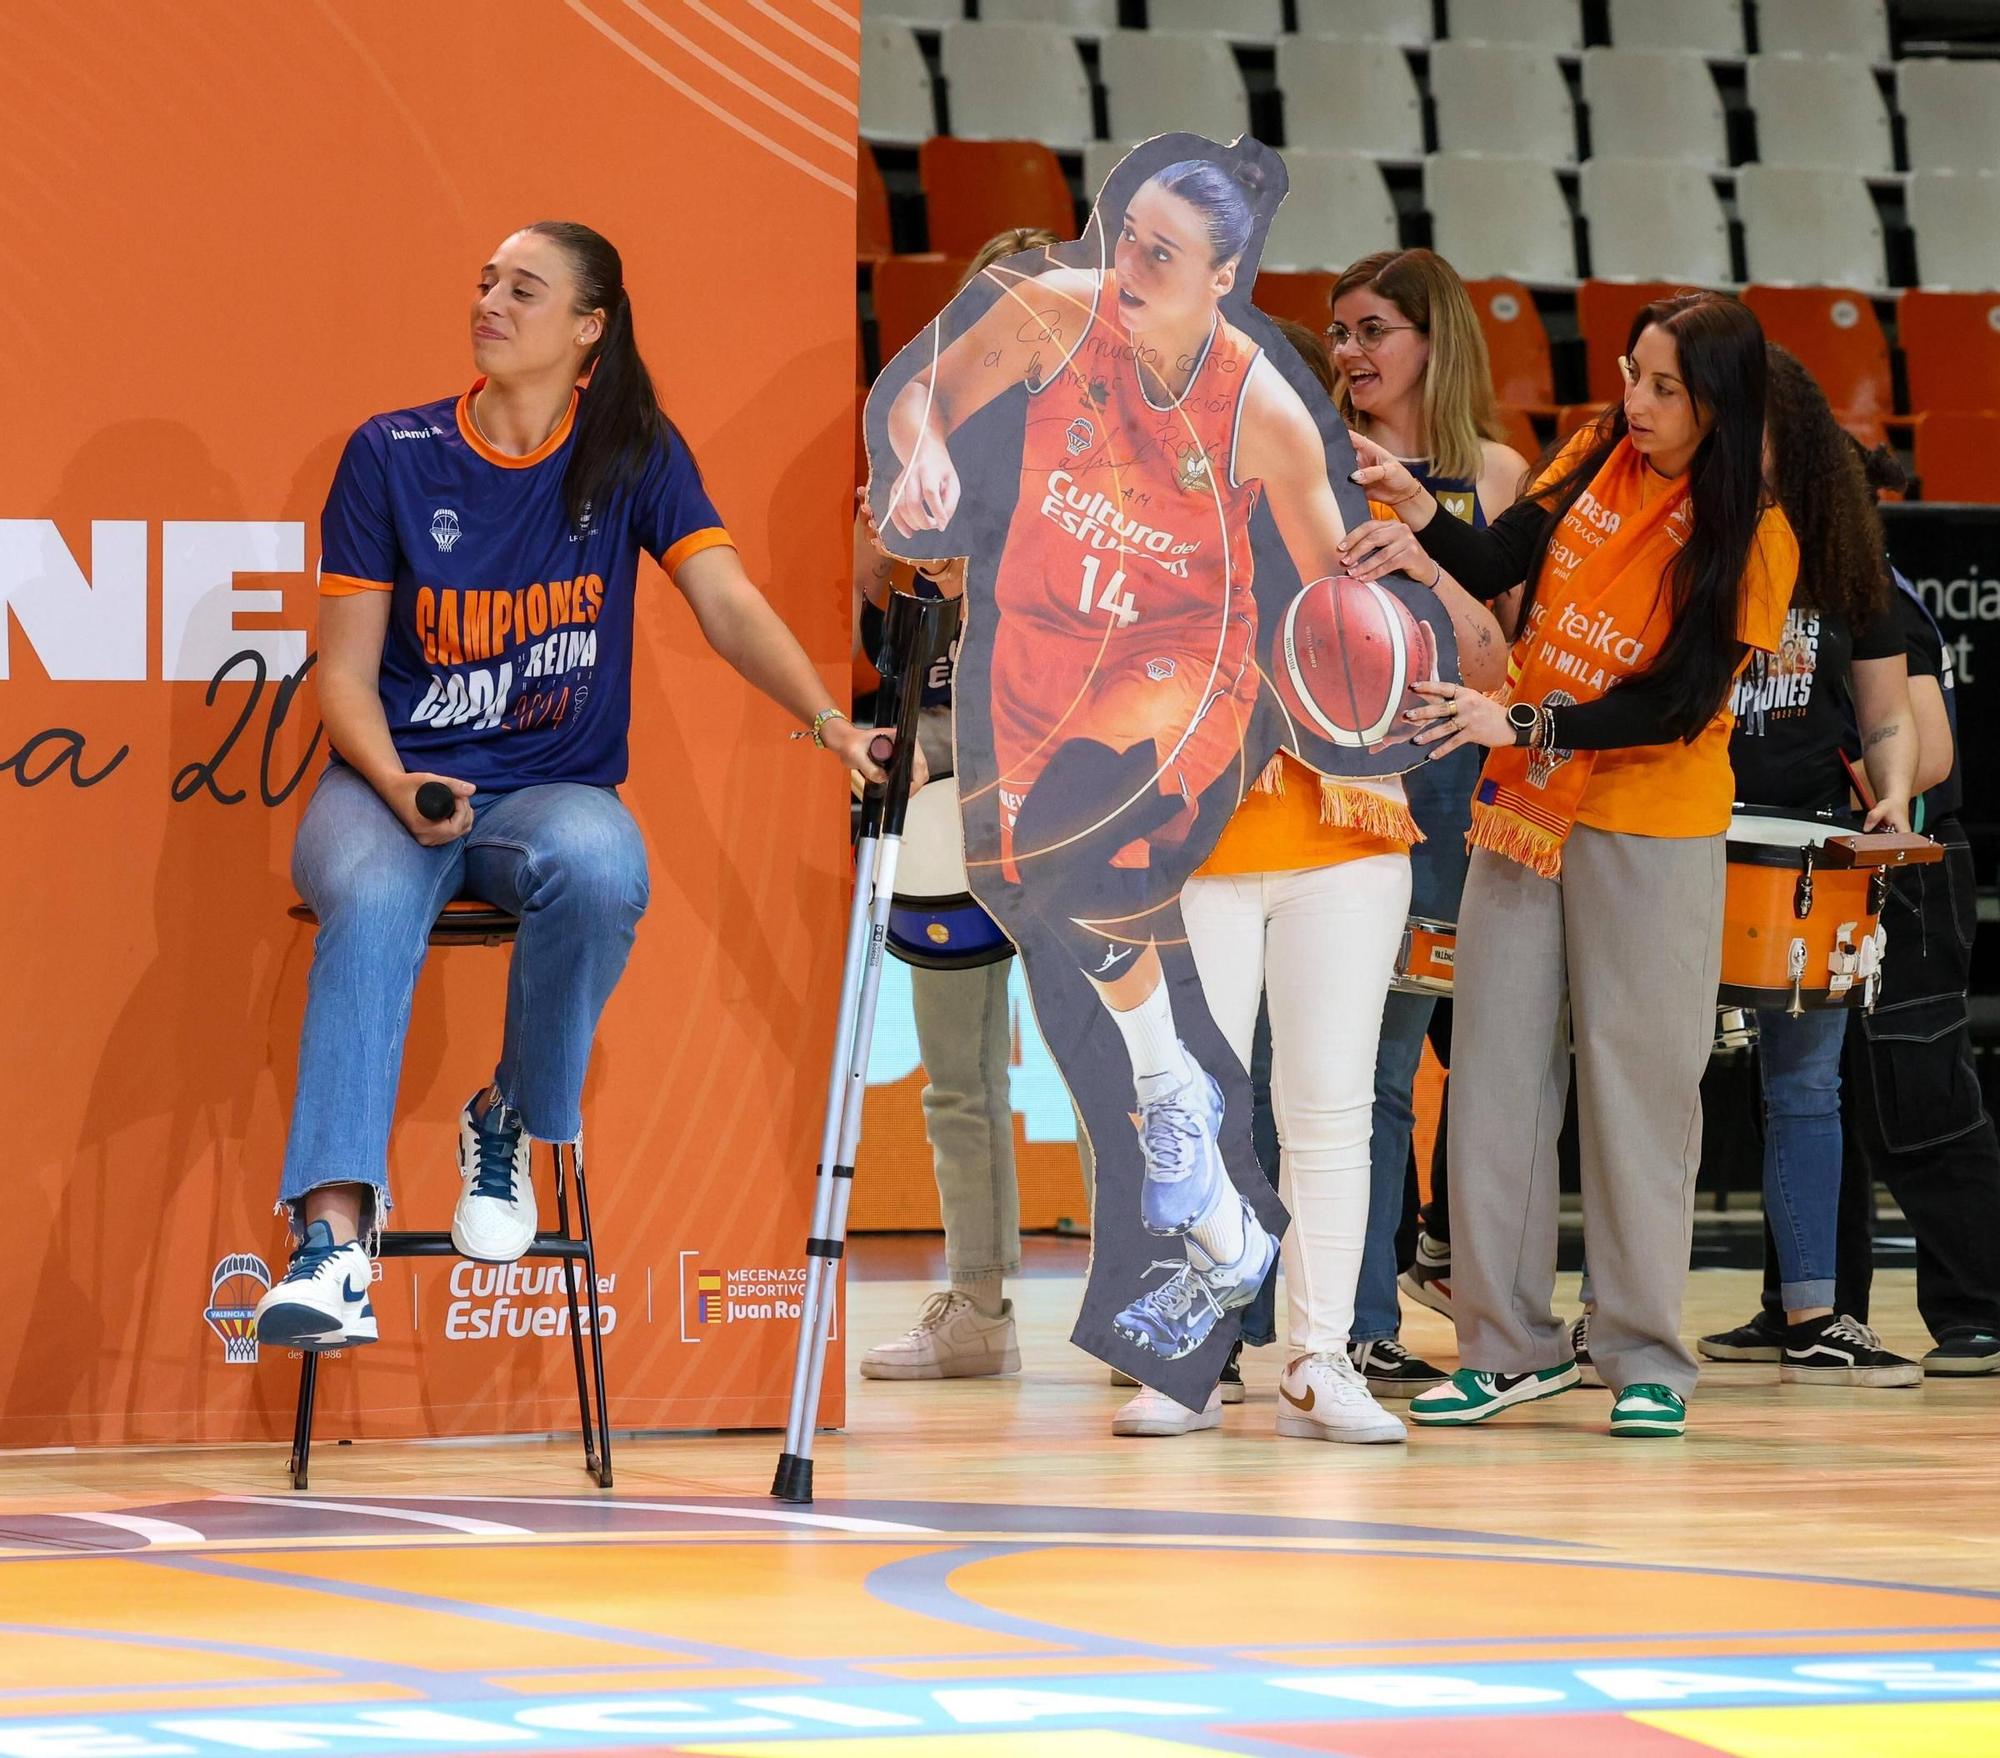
[478, 593]
[1655, 564]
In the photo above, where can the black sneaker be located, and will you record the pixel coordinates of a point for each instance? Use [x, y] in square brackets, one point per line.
[1391, 1370]
[1762, 1339]
[1428, 1280]
[1965, 1352]
[1840, 1351]
[1232, 1374]
[1579, 1343]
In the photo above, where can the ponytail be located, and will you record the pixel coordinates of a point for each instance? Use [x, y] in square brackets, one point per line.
[619, 421]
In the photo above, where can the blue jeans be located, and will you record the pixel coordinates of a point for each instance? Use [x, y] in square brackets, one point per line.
[1441, 801]
[1799, 1062]
[567, 859]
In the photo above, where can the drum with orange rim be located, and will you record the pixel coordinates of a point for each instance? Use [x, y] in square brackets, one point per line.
[1801, 916]
[1426, 959]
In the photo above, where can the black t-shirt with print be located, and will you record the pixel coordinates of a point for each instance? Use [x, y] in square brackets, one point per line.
[1930, 658]
[1792, 710]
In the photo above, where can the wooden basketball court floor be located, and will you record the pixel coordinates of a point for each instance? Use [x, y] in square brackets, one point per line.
[1810, 1574]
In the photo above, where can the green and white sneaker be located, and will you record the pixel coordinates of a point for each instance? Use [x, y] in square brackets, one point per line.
[1649, 1410]
[1472, 1397]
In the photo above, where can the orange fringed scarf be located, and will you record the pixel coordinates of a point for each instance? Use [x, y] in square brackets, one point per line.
[1350, 803]
[1602, 612]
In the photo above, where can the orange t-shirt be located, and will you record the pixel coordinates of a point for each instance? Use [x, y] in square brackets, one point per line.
[1280, 830]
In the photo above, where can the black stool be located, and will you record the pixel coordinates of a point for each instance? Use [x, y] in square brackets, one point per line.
[468, 922]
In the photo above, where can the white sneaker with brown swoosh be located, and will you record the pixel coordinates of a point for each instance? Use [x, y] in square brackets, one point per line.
[1322, 1398]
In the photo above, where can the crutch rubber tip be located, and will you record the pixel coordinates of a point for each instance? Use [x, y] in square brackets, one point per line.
[794, 1481]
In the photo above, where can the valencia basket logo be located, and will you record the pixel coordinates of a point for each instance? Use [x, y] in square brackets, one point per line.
[234, 1289]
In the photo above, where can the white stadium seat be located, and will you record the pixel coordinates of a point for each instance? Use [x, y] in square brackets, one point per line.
[895, 84]
[1704, 27]
[922, 12]
[1956, 216]
[1546, 24]
[1016, 82]
[1824, 27]
[1100, 159]
[1497, 98]
[1390, 21]
[1337, 208]
[1090, 18]
[1654, 104]
[1499, 216]
[1951, 113]
[1163, 82]
[1355, 96]
[1255, 21]
[1820, 110]
[1810, 227]
[1654, 221]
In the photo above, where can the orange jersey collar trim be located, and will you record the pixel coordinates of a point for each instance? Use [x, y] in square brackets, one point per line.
[469, 431]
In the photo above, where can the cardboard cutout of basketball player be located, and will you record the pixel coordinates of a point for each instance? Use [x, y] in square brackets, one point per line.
[1149, 486]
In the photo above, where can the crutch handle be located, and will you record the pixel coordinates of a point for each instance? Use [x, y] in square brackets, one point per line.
[882, 747]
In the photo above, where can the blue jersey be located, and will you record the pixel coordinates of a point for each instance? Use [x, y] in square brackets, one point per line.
[508, 659]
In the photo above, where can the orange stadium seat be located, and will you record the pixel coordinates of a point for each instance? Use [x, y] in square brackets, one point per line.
[1306, 297]
[1958, 455]
[1575, 417]
[1951, 344]
[1604, 313]
[873, 237]
[1520, 434]
[976, 188]
[1516, 342]
[1834, 331]
[909, 292]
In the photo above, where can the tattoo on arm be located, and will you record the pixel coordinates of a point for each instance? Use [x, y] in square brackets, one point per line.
[1880, 733]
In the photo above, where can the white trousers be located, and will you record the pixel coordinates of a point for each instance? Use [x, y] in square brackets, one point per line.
[1320, 946]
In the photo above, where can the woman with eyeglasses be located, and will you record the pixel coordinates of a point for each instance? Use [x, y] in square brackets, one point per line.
[1414, 378]
[1655, 564]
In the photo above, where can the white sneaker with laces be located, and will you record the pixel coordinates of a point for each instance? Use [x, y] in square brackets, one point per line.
[1322, 1398]
[321, 1301]
[495, 1218]
[1149, 1412]
[953, 1340]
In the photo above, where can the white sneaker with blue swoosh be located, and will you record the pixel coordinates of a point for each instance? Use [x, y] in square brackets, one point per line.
[321, 1301]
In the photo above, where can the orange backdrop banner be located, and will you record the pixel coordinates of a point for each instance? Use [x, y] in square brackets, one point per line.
[251, 226]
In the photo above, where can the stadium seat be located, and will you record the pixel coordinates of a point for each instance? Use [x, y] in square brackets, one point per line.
[1517, 345]
[975, 188]
[1499, 98]
[1350, 97]
[910, 291]
[1162, 82]
[1336, 209]
[1957, 219]
[1604, 314]
[1500, 216]
[1520, 434]
[1088, 18]
[918, 12]
[1958, 455]
[1820, 110]
[896, 101]
[1407, 22]
[1654, 221]
[1837, 336]
[1251, 21]
[1951, 113]
[1100, 159]
[1007, 81]
[873, 236]
[1810, 227]
[1701, 27]
[1573, 418]
[1823, 27]
[1546, 24]
[1654, 104]
[1951, 345]
[1304, 298]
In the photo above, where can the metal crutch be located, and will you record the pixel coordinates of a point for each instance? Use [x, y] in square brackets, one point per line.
[916, 633]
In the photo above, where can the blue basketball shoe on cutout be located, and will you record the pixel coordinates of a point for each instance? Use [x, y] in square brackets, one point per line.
[1178, 1137]
[1175, 1318]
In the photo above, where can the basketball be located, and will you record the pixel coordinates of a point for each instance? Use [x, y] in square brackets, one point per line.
[1346, 655]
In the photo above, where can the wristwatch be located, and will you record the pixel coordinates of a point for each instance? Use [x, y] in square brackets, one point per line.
[1524, 718]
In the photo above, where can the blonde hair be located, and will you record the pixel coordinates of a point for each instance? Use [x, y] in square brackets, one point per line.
[1004, 244]
[1458, 409]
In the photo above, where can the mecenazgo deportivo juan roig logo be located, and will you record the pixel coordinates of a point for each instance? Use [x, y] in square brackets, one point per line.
[713, 1296]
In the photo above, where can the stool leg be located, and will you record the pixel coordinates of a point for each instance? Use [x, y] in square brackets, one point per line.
[596, 1341]
[575, 1315]
[302, 1420]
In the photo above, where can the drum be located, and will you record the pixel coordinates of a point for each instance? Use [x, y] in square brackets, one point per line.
[1801, 915]
[1425, 960]
[933, 920]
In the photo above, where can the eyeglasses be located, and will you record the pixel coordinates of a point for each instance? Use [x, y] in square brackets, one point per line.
[1367, 335]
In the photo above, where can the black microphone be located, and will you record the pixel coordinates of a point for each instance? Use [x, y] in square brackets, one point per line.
[436, 802]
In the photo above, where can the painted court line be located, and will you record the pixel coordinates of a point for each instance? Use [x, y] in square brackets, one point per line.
[452, 1522]
[154, 1532]
[777, 1516]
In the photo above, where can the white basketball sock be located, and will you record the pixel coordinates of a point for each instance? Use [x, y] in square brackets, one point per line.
[1153, 1043]
[1221, 1233]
